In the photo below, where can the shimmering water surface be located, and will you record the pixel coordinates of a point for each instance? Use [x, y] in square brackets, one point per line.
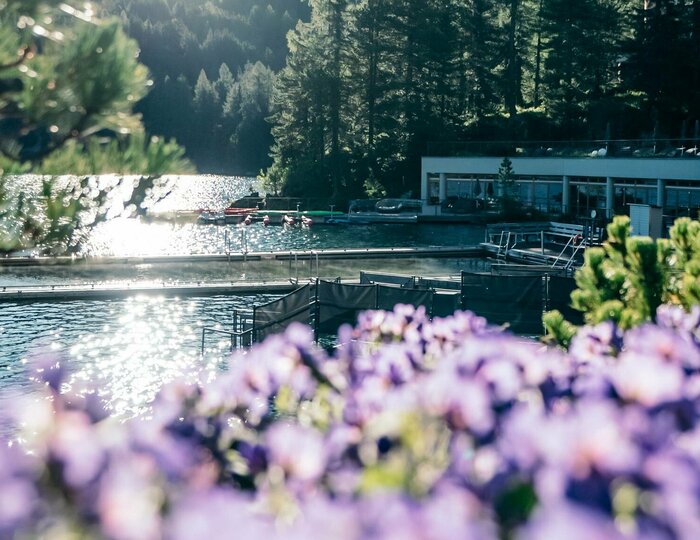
[126, 349]
[138, 237]
[133, 237]
[129, 348]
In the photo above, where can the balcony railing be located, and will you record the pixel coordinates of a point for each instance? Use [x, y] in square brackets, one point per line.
[642, 148]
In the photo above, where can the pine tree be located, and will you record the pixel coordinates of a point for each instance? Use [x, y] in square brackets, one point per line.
[578, 70]
[246, 110]
[58, 86]
[76, 80]
[309, 107]
[660, 60]
[626, 279]
[516, 72]
[480, 49]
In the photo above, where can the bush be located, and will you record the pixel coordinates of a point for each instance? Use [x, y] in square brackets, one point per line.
[629, 277]
[412, 429]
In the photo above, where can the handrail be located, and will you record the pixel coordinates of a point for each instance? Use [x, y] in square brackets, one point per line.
[568, 265]
[232, 335]
[562, 252]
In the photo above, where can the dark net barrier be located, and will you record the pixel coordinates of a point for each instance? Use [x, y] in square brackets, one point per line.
[371, 278]
[274, 317]
[559, 291]
[516, 300]
[445, 305]
[339, 304]
[388, 297]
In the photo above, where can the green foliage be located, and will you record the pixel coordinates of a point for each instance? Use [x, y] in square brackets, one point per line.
[246, 108]
[506, 187]
[64, 78]
[57, 218]
[629, 277]
[557, 329]
[365, 101]
[78, 79]
[578, 70]
[133, 155]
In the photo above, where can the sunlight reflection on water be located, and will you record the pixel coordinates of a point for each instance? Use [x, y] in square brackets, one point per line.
[124, 237]
[125, 349]
[129, 348]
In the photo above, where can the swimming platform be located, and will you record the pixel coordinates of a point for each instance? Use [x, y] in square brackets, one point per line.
[515, 248]
[312, 254]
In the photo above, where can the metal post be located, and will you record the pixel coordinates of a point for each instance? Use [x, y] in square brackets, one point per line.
[661, 193]
[542, 241]
[442, 193]
[204, 331]
[565, 195]
[317, 312]
[609, 197]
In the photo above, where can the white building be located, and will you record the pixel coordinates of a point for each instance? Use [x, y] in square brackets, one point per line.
[571, 185]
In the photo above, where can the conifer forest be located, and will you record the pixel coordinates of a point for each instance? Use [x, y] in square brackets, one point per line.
[340, 98]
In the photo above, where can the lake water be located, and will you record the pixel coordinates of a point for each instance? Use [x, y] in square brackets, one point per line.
[137, 237]
[129, 348]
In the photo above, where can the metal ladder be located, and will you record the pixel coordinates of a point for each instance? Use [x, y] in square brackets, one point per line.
[506, 247]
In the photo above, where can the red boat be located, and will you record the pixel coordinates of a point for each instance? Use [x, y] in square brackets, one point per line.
[239, 211]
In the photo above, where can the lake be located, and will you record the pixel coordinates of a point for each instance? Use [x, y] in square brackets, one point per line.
[129, 348]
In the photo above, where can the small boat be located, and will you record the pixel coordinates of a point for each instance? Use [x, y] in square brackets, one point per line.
[212, 218]
[342, 220]
[239, 211]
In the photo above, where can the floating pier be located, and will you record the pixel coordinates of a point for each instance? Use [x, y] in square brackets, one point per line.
[59, 293]
[559, 246]
[368, 253]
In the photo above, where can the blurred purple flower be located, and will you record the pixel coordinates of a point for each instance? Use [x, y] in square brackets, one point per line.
[465, 404]
[321, 519]
[646, 379]
[663, 343]
[176, 457]
[675, 317]
[129, 499]
[592, 344]
[217, 514]
[298, 451]
[18, 495]
[475, 410]
[49, 368]
[569, 521]
[78, 448]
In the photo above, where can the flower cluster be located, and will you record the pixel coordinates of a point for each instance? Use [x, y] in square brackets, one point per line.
[410, 429]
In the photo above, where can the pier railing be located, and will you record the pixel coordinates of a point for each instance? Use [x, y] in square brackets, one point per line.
[688, 147]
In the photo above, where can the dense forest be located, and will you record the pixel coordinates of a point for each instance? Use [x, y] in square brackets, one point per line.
[344, 96]
[213, 66]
